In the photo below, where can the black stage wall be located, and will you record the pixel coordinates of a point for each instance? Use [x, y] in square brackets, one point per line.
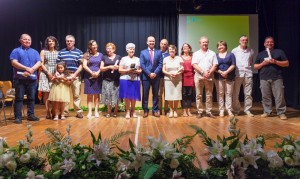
[123, 21]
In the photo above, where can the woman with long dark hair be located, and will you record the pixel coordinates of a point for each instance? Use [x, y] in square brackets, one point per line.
[92, 78]
[48, 57]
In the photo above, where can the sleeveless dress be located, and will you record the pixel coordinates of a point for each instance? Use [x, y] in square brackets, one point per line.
[94, 85]
[49, 63]
[59, 92]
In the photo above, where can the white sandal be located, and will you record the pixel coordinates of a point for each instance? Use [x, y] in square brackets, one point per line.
[55, 118]
[127, 116]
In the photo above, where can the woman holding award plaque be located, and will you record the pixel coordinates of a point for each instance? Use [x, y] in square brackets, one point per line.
[173, 69]
[110, 86]
[130, 80]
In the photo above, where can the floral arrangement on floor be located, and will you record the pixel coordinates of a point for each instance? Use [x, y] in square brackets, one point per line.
[234, 156]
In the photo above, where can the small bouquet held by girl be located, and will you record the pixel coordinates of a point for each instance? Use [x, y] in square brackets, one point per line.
[60, 90]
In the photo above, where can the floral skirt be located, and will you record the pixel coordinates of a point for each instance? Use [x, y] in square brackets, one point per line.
[110, 92]
[130, 90]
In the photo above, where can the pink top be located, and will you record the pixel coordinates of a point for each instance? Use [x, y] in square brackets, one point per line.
[188, 73]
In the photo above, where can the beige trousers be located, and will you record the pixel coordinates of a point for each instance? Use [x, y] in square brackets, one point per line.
[75, 87]
[199, 86]
[247, 83]
[224, 87]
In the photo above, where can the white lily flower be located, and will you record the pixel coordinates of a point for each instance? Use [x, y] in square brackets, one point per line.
[68, 165]
[101, 151]
[165, 149]
[216, 151]
[250, 160]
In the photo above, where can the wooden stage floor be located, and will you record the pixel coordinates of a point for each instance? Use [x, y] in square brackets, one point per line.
[169, 128]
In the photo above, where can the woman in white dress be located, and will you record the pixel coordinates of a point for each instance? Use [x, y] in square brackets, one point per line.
[173, 68]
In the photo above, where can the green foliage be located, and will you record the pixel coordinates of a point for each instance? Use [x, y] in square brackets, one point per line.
[233, 156]
[148, 171]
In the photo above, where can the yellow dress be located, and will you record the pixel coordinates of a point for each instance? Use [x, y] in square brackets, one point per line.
[59, 92]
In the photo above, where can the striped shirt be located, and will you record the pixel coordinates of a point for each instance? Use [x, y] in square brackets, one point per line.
[72, 58]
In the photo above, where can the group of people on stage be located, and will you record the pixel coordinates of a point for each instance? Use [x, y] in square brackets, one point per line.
[170, 76]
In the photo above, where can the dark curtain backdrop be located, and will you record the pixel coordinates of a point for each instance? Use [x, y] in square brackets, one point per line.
[281, 19]
[102, 24]
[126, 21]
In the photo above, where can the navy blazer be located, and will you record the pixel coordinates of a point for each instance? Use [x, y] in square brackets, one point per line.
[147, 66]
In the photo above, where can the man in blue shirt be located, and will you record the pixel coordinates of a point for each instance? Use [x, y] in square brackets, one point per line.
[72, 57]
[25, 62]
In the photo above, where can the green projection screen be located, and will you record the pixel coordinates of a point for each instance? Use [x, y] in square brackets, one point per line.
[217, 27]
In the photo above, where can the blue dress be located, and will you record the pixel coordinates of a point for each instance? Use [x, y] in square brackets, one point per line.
[93, 85]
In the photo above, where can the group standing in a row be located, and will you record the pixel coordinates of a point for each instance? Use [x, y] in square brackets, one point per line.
[116, 77]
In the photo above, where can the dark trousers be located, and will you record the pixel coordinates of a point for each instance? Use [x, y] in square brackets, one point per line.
[28, 87]
[146, 88]
[187, 96]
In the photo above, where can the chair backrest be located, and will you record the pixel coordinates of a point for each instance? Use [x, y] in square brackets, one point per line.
[6, 85]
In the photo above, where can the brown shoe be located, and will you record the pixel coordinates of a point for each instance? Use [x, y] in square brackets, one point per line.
[210, 115]
[79, 115]
[166, 113]
[156, 114]
[145, 114]
[283, 117]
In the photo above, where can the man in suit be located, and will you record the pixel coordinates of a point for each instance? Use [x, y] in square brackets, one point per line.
[151, 64]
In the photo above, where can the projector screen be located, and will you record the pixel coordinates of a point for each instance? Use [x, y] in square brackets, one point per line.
[228, 28]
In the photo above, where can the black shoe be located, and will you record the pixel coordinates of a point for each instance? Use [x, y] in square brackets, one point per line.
[32, 118]
[18, 121]
[210, 115]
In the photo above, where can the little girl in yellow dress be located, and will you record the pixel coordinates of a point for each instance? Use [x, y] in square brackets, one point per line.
[60, 90]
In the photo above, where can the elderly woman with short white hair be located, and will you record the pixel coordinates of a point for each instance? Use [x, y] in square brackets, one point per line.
[130, 71]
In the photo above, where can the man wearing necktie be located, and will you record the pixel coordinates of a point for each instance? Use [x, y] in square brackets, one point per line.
[151, 64]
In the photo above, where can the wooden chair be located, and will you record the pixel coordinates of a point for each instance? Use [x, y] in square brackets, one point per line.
[6, 85]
